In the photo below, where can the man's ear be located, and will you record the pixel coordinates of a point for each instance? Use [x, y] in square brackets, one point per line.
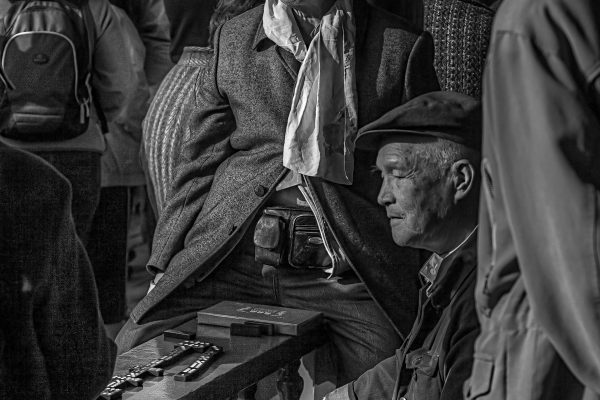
[463, 178]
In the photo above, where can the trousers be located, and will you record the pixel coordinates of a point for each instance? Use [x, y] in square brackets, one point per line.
[360, 334]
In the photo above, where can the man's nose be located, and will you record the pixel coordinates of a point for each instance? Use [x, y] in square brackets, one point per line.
[384, 197]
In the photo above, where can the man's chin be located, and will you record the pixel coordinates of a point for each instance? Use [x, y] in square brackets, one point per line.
[403, 240]
[403, 237]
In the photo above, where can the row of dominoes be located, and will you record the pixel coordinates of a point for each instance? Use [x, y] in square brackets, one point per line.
[117, 384]
[200, 365]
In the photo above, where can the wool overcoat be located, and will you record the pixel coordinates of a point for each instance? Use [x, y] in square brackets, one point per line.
[233, 159]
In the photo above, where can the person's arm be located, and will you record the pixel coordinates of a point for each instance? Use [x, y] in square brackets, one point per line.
[209, 128]
[541, 136]
[152, 24]
[375, 384]
[458, 361]
[128, 120]
[113, 79]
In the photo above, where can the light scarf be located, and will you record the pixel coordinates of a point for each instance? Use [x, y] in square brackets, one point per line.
[322, 124]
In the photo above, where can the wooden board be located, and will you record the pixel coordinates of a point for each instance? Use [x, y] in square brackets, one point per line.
[245, 361]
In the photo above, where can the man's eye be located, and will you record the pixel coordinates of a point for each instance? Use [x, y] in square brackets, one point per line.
[398, 174]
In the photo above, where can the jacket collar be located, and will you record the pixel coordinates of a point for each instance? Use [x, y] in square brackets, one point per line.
[451, 273]
[260, 36]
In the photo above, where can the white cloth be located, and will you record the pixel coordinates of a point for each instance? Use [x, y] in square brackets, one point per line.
[322, 124]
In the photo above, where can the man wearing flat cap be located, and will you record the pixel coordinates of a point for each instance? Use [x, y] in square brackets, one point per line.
[428, 156]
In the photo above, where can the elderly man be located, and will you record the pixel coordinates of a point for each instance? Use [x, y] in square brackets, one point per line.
[272, 139]
[429, 158]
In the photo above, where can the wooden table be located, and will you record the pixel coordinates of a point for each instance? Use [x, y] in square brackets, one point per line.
[245, 361]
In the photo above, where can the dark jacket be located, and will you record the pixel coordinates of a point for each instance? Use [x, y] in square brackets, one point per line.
[436, 358]
[52, 339]
[233, 160]
[540, 208]
[189, 20]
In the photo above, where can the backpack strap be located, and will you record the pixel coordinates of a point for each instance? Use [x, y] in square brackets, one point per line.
[90, 28]
[7, 83]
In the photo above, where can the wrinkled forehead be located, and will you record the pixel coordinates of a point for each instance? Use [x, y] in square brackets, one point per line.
[406, 138]
[404, 151]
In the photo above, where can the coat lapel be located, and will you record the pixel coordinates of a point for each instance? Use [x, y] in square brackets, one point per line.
[291, 65]
[289, 62]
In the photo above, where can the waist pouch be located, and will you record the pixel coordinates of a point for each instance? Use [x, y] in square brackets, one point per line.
[289, 237]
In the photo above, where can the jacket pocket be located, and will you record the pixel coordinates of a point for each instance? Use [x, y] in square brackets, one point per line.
[423, 361]
[480, 382]
[425, 381]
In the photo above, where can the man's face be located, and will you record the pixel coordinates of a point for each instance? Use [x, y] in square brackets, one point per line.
[415, 194]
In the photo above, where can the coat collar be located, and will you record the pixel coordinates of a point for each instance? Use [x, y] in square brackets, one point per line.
[260, 36]
[452, 273]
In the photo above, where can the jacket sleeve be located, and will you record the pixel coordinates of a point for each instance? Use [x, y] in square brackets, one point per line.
[151, 22]
[113, 78]
[458, 362]
[375, 384]
[128, 120]
[542, 142]
[210, 124]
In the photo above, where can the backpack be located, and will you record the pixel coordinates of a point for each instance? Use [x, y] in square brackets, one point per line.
[46, 68]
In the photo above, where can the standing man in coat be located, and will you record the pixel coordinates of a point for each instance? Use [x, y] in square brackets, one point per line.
[539, 238]
[272, 138]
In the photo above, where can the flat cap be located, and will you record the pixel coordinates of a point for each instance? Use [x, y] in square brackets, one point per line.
[447, 115]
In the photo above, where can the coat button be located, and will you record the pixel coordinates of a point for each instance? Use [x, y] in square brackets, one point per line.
[260, 190]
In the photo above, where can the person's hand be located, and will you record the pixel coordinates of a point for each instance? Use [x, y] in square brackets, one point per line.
[340, 393]
[154, 281]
